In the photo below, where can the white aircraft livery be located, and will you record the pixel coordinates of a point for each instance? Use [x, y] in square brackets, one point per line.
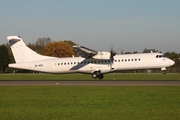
[93, 62]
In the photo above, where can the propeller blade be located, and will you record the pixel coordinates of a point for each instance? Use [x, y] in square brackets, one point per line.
[112, 54]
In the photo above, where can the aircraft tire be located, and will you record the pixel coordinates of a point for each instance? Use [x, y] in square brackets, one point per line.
[164, 72]
[101, 76]
[96, 74]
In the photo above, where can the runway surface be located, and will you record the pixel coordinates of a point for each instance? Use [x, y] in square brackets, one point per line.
[90, 82]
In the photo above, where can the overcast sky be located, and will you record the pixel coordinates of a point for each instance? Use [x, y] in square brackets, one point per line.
[131, 25]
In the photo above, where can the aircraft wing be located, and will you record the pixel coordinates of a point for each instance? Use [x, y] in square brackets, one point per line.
[84, 52]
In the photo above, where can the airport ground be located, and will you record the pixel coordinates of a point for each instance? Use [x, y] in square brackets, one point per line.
[99, 102]
[111, 76]
[90, 102]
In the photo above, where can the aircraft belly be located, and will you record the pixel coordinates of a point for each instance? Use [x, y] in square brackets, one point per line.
[94, 67]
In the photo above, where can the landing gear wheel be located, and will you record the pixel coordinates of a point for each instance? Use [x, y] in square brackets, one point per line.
[101, 76]
[94, 76]
[98, 75]
[164, 72]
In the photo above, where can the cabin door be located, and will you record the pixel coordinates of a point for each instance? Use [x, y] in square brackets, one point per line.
[49, 67]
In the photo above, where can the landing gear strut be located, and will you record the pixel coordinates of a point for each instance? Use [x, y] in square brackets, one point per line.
[97, 74]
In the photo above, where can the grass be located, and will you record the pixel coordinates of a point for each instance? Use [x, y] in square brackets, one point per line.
[89, 102]
[112, 76]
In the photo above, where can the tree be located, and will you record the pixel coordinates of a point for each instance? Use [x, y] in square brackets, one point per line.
[4, 57]
[135, 52]
[39, 45]
[149, 50]
[176, 57]
[70, 43]
[128, 53]
[43, 41]
[58, 49]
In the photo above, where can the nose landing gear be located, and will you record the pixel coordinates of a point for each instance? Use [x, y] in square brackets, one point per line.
[163, 70]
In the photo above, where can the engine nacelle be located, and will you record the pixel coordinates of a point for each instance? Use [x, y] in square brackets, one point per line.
[102, 55]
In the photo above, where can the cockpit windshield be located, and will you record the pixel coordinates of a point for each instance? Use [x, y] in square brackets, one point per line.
[160, 56]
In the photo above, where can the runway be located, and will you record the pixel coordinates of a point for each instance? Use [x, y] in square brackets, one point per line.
[90, 82]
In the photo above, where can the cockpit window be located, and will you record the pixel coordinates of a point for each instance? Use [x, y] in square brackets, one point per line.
[163, 55]
[160, 56]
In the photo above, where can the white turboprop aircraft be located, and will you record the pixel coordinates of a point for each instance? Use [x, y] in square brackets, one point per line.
[93, 62]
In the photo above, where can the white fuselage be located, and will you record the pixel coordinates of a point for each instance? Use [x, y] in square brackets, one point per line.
[82, 65]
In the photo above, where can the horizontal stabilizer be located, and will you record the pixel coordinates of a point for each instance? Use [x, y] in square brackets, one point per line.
[14, 38]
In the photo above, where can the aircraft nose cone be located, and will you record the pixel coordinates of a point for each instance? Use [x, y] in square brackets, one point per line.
[172, 62]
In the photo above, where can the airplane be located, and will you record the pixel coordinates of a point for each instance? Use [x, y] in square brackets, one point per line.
[96, 63]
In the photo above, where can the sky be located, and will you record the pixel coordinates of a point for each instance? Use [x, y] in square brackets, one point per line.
[128, 25]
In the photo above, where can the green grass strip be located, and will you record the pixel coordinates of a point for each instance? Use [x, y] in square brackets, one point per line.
[89, 102]
[112, 76]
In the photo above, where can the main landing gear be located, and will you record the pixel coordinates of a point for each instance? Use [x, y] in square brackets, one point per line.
[97, 74]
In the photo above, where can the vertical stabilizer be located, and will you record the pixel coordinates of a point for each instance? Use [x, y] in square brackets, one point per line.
[21, 52]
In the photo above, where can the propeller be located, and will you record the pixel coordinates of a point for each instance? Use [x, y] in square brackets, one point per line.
[122, 51]
[112, 54]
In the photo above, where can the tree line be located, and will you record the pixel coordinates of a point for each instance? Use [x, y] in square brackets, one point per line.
[45, 46]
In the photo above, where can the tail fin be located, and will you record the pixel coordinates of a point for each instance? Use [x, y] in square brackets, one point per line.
[21, 52]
